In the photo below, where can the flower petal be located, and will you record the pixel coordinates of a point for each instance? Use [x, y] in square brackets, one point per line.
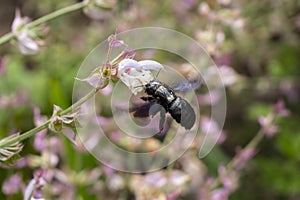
[127, 64]
[27, 45]
[150, 65]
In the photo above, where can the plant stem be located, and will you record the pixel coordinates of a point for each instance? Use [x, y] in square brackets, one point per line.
[45, 125]
[5, 38]
[80, 101]
[56, 14]
[25, 135]
[251, 145]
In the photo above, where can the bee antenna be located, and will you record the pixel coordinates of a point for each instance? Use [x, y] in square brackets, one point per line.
[138, 86]
[157, 74]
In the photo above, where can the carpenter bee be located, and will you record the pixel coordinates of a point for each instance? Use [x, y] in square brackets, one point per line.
[166, 101]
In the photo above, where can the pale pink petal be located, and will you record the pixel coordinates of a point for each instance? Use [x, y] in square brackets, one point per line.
[29, 189]
[127, 64]
[156, 179]
[95, 80]
[70, 134]
[150, 65]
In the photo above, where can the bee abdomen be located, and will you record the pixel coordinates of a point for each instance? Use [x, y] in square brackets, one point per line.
[183, 113]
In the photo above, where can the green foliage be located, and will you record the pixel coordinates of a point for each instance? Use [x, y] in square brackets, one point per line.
[288, 142]
[258, 109]
[286, 61]
[279, 175]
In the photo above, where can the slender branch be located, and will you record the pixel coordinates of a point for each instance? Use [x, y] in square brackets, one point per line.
[57, 13]
[45, 125]
[25, 135]
[80, 101]
[5, 38]
[251, 145]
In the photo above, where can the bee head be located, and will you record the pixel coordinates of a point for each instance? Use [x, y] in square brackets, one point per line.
[152, 86]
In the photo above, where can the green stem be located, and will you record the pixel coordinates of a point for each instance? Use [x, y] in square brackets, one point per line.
[251, 145]
[45, 125]
[80, 101]
[56, 14]
[25, 135]
[5, 38]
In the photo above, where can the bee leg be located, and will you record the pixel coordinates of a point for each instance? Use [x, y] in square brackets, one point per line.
[154, 109]
[162, 120]
[150, 99]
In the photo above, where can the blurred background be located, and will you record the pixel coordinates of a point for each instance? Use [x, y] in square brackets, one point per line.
[259, 41]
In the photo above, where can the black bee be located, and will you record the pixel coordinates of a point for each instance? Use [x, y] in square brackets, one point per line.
[165, 96]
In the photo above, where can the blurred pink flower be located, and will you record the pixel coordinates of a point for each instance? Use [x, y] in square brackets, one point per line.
[115, 136]
[20, 163]
[267, 125]
[219, 194]
[159, 184]
[210, 98]
[221, 76]
[40, 142]
[229, 179]
[224, 59]
[243, 156]
[280, 109]
[115, 182]
[182, 6]
[34, 188]
[173, 195]
[156, 179]
[212, 130]
[39, 139]
[12, 185]
[211, 40]
[14, 100]
[289, 89]
[228, 75]
[28, 42]
[103, 121]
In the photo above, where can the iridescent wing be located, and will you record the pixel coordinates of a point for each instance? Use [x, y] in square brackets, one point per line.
[186, 85]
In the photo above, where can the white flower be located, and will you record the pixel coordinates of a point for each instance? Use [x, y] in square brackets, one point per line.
[26, 43]
[136, 74]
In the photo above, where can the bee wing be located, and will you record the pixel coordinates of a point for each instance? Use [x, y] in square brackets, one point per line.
[187, 85]
[188, 116]
[141, 111]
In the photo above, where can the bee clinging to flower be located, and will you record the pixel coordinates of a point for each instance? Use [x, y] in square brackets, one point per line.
[137, 77]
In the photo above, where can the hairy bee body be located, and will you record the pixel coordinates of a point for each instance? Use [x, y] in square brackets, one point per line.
[178, 107]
